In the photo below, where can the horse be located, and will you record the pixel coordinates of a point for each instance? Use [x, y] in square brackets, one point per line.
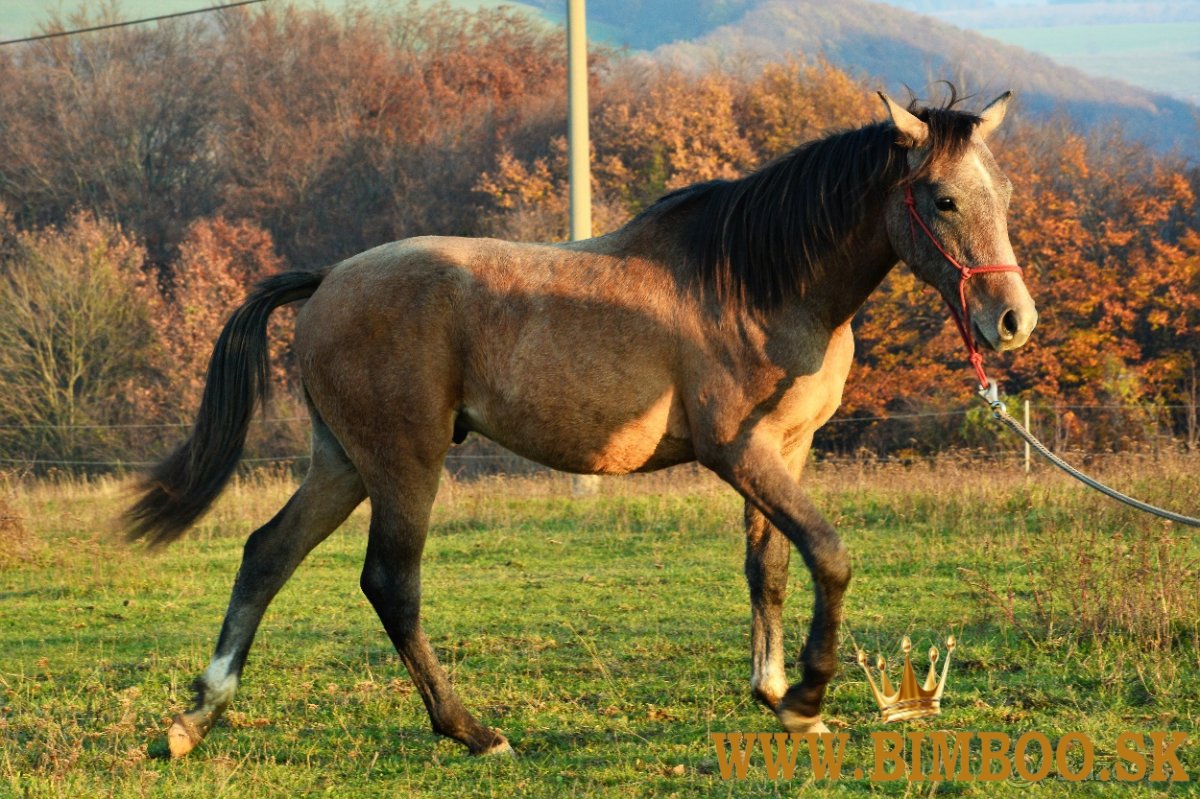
[714, 327]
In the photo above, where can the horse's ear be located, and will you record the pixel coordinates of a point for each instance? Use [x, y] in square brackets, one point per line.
[914, 132]
[993, 115]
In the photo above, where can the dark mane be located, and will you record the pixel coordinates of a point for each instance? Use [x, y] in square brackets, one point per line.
[760, 240]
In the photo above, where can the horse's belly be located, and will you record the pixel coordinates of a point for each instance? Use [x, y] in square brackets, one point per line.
[596, 433]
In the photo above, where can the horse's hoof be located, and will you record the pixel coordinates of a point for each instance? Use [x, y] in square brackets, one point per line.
[182, 737]
[794, 722]
[502, 748]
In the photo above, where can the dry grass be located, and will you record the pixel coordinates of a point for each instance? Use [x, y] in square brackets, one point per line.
[1091, 573]
[16, 544]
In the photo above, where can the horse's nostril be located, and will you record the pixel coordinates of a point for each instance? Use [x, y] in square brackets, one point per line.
[1009, 324]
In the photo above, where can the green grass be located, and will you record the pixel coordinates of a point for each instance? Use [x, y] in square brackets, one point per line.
[1162, 57]
[607, 636]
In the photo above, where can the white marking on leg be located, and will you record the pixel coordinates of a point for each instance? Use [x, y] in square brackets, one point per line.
[794, 722]
[768, 679]
[767, 675]
[502, 747]
[219, 683]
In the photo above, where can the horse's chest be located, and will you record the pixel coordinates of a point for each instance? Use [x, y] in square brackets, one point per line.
[803, 402]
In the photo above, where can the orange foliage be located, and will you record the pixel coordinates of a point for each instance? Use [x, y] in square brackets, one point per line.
[304, 136]
[219, 262]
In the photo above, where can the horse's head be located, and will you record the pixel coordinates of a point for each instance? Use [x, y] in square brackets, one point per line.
[948, 220]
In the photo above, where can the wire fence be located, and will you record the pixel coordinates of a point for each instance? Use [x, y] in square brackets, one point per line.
[964, 433]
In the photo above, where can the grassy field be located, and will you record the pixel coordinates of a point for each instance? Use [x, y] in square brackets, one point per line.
[607, 636]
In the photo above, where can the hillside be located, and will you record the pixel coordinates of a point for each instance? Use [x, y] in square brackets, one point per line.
[1005, 13]
[900, 48]
[1148, 44]
[896, 47]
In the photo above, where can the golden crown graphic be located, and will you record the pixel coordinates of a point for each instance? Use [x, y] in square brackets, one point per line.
[912, 701]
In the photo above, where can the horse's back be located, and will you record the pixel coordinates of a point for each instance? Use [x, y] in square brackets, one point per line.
[566, 356]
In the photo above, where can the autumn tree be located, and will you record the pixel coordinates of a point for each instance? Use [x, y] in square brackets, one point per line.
[788, 103]
[350, 130]
[655, 129]
[76, 347]
[219, 263]
[121, 124]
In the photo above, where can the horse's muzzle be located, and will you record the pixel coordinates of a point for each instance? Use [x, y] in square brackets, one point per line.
[1007, 329]
[1002, 312]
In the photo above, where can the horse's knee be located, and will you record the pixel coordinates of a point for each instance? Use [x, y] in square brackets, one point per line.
[841, 574]
[835, 568]
[767, 575]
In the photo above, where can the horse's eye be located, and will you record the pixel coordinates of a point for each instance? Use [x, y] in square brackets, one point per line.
[945, 204]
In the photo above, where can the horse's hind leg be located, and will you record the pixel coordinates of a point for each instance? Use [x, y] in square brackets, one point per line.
[391, 579]
[330, 491]
[767, 555]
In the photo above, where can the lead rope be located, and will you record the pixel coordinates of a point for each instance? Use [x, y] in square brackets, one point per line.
[1000, 413]
[990, 392]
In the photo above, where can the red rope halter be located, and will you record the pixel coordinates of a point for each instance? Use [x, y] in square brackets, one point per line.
[962, 316]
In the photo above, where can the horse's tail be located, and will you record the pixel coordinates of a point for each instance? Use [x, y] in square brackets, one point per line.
[180, 488]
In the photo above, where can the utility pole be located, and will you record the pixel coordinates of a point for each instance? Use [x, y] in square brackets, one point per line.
[578, 166]
[579, 172]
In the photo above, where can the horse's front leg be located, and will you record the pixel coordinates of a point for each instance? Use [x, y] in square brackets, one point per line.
[776, 504]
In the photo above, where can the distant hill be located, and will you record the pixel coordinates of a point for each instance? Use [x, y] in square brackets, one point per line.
[1149, 43]
[646, 24]
[893, 47]
[1009, 13]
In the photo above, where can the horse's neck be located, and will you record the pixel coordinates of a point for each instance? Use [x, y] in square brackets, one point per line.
[846, 280]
